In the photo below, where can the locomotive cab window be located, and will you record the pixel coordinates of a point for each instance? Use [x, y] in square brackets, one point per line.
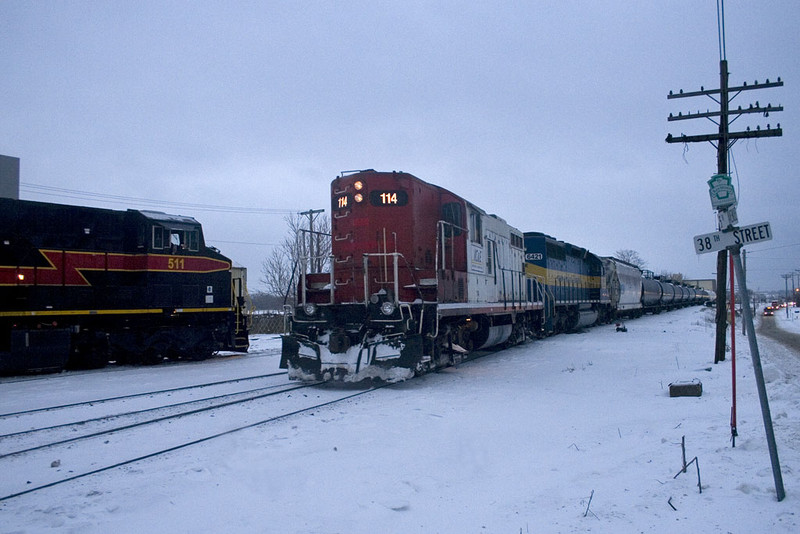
[451, 214]
[475, 230]
[158, 237]
[193, 240]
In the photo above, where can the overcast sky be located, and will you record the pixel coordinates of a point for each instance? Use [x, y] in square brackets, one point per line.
[551, 114]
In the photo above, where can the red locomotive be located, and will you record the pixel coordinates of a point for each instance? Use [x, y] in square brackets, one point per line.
[419, 277]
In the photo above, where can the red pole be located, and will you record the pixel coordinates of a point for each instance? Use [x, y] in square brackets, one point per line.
[733, 357]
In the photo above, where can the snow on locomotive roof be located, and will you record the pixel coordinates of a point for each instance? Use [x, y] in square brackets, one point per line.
[167, 218]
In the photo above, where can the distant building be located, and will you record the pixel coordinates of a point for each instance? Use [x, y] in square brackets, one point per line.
[709, 284]
[9, 177]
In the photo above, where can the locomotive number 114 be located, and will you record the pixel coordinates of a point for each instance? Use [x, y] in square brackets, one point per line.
[388, 198]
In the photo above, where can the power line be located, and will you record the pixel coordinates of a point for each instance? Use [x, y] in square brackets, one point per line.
[243, 243]
[62, 192]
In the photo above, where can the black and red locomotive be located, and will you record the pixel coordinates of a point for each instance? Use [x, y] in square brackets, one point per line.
[421, 278]
[83, 286]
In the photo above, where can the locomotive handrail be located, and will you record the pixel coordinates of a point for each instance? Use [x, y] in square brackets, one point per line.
[342, 216]
[346, 236]
[395, 282]
[440, 238]
[303, 261]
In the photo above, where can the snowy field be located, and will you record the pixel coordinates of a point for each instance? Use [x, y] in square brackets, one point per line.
[517, 442]
[787, 320]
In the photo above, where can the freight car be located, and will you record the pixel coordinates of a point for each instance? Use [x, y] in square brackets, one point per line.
[421, 278]
[82, 286]
[624, 283]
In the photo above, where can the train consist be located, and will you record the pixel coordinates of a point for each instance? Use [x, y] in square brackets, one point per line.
[80, 287]
[420, 278]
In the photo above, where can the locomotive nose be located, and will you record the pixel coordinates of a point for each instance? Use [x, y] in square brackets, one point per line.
[338, 342]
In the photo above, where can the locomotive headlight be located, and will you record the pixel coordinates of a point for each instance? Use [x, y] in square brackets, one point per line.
[387, 308]
[310, 309]
[359, 197]
[359, 185]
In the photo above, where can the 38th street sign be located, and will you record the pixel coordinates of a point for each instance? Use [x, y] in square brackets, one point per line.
[716, 241]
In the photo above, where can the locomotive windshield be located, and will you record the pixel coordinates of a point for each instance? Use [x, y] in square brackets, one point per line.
[173, 232]
[176, 238]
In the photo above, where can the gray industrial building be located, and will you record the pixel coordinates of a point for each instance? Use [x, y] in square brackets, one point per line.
[9, 177]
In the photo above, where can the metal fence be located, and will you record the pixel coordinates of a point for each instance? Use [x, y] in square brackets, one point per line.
[267, 323]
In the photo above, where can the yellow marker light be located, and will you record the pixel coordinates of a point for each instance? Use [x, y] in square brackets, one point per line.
[359, 186]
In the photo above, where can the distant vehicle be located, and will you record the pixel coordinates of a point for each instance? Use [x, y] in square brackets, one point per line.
[769, 311]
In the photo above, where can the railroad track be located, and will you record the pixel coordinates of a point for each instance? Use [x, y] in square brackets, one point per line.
[66, 449]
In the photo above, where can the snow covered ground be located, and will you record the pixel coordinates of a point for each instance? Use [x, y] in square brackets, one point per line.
[518, 442]
[788, 320]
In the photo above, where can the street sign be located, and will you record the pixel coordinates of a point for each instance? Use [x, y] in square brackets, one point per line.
[716, 241]
[721, 191]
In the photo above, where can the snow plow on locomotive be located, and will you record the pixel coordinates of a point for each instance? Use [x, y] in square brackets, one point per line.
[420, 279]
[80, 287]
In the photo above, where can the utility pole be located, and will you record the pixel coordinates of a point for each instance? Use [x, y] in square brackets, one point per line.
[315, 263]
[786, 289]
[729, 236]
[723, 140]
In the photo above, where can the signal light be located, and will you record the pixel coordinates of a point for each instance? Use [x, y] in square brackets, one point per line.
[359, 185]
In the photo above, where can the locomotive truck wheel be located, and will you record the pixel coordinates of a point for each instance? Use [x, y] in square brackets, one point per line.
[151, 356]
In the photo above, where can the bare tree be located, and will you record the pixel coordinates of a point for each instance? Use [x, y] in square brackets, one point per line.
[631, 256]
[279, 271]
